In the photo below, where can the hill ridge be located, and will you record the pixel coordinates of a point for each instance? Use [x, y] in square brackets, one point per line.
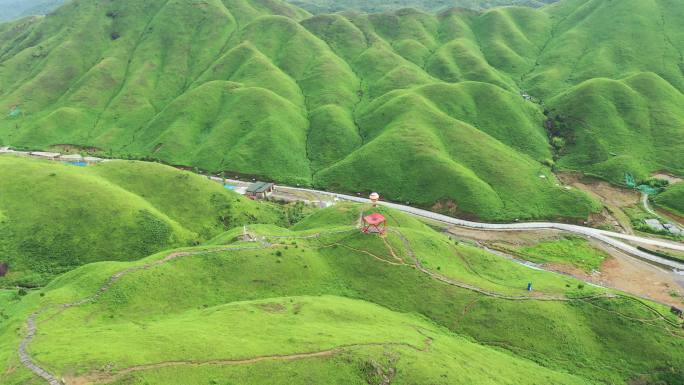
[332, 70]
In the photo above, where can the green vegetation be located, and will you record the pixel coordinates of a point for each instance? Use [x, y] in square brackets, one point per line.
[426, 108]
[54, 217]
[571, 250]
[672, 199]
[337, 308]
[12, 9]
[373, 6]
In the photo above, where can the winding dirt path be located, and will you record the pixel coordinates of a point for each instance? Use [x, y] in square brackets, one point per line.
[109, 377]
[52, 379]
[31, 323]
[418, 265]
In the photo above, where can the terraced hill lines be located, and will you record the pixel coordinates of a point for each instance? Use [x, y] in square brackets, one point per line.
[355, 101]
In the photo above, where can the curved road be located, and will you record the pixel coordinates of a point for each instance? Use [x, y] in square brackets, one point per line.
[607, 237]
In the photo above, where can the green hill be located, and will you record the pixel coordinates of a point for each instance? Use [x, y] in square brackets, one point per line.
[672, 199]
[12, 9]
[55, 217]
[413, 308]
[329, 6]
[421, 107]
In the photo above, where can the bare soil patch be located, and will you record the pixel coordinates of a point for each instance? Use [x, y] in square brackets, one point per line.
[74, 149]
[637, 277]
[613, 195]
[614, 198]
[620, 271]
[668, 177]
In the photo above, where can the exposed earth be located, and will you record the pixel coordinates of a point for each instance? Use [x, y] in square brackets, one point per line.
[621, 271]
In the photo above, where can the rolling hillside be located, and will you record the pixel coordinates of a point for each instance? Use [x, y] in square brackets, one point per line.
[55, 217]
[13, 9]
[672, 199]
[424, 108]
[412, 308]
[373, 6]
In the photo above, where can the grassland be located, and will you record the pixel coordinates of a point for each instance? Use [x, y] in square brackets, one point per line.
[571, 251]
[672, 199]
[55, 217]
[425, 108]
[414, 307]
[374, 6]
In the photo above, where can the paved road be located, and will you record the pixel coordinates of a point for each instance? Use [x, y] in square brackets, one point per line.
[647, 207]
[607, 237]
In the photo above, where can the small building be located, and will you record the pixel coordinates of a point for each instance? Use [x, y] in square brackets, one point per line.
[260, 190]
[374, 224]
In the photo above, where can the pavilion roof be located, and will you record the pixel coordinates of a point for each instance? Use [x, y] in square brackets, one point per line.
[374, 219]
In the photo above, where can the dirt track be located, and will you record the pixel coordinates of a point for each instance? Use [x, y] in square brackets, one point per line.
[52, 379]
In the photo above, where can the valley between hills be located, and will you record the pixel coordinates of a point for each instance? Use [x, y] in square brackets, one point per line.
[526, 164]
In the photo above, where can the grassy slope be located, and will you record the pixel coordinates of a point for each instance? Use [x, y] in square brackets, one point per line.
[327, 6]
[573, 251]
[347, 297]
[672, 199]
[56, 217]
[620, 90]
[359, 102]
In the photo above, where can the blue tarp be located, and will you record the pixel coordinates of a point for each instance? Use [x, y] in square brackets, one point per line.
[78, 164]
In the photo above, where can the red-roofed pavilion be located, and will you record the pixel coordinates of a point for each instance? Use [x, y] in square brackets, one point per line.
[374, 223]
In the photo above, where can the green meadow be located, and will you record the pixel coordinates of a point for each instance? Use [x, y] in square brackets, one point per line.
[425, 108]
[55, 217]
[672, 199]
[570, 250]
[373, 6]
[322, 303]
